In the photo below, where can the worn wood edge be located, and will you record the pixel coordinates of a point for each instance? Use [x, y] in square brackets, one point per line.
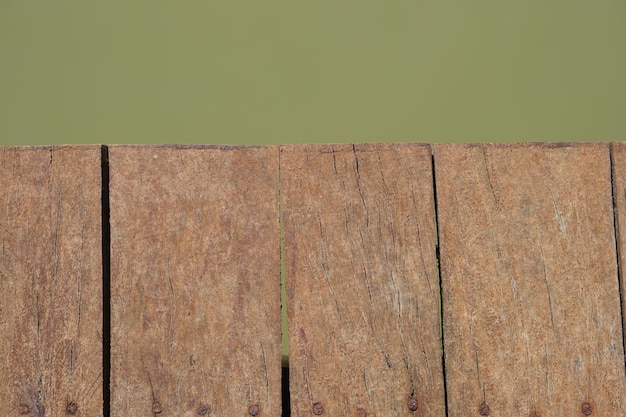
[48, 147]
[445, 147]
[190, 146]
[523, 144]
[350, 147]
[619, 202]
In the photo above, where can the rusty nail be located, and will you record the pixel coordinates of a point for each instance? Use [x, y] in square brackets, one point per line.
[361, 413]
[318, 409]
[586, 409]
[71, 408]
[203, 410]
[24, 409]
[253, 410]
[156, 408]
[484, 409]
[412, 404]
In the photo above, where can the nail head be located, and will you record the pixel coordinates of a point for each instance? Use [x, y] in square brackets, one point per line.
[203, 410]
[71, 408]
[586, 409]
[318, 409]
[412, 404]
[253, 410]
[483, 409]
[361, 413]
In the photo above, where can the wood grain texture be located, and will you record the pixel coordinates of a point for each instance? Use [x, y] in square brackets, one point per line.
[529, 276]
[50, 281]
[361, 271]
[618, 155]
[195, 281]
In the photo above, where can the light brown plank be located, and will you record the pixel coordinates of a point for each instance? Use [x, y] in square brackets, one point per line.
[195, 278]
[529, 276]
[618, 155]
[50, 281]
[361, 271]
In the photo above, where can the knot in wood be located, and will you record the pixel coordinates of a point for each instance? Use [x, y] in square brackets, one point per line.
[156, 408]
[361, 413]
[203, 410]
[586, 409]
[71, 408]
[483, 410]
[253, 410]
[412, 404]
[24, 409]
[318, 409]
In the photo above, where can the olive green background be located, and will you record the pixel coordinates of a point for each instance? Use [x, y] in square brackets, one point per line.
[274, 72]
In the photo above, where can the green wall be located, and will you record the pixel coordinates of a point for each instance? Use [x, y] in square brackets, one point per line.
[163, 71]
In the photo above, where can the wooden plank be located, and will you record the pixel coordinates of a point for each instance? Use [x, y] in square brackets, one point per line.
[195, 281]
[363, 289]
[529, 276]
[618, 163]
[51, 281]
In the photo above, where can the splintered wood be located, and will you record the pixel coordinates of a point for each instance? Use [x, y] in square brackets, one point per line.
[195, 276]
[51, 281]
[363, 289]
[529, 276]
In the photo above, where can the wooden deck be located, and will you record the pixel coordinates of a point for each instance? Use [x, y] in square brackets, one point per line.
[422, 280]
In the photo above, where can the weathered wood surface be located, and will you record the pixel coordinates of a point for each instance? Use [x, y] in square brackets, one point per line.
[50, 281]
[195, 281]
[361, 271]
[618, 154]
[529, 275]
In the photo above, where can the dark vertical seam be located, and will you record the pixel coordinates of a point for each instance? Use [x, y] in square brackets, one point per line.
[285, 392]
[617, 245]
[286, 400]
[443, 355]
[106, 285]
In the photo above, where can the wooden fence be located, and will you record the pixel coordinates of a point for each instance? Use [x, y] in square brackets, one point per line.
[444, 280]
